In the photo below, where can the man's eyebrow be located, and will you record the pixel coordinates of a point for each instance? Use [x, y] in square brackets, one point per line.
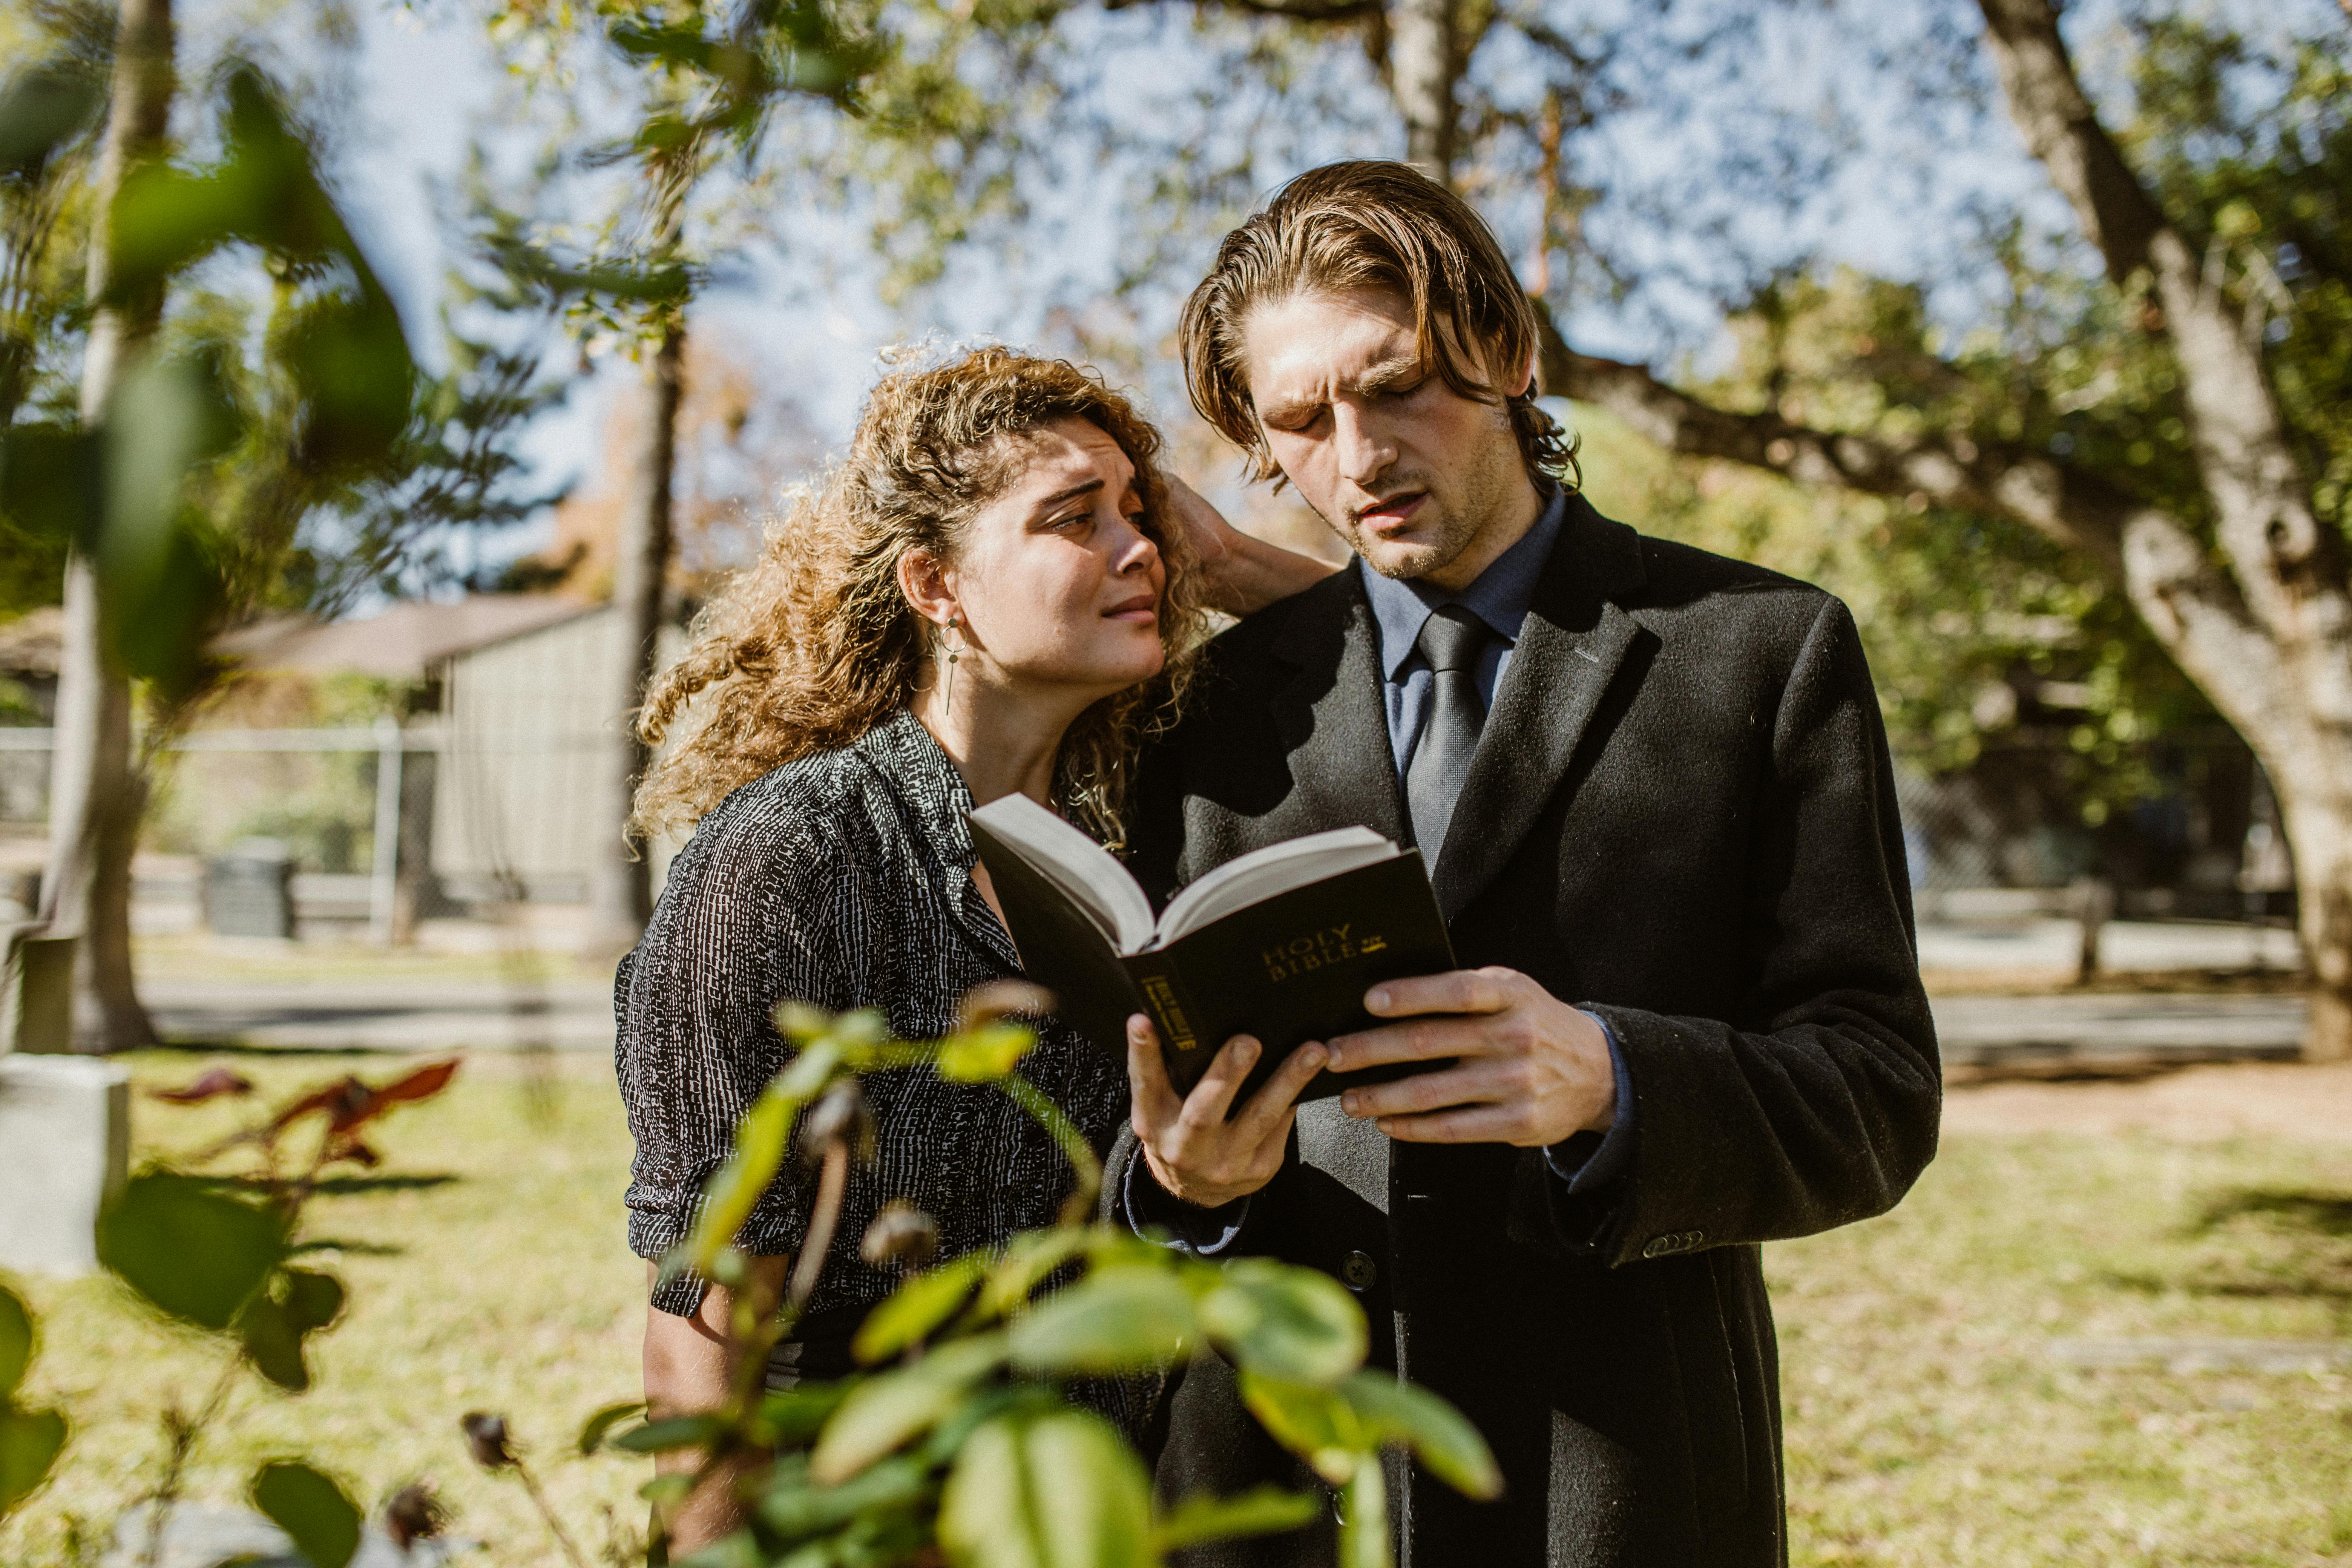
[1389, 372]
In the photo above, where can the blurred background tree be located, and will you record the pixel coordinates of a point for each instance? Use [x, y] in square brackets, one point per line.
[243, 440]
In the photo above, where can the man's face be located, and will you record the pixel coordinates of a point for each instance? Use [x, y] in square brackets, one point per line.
[1421, 481]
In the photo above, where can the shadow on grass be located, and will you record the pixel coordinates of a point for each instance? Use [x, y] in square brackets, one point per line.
[2273, 1243]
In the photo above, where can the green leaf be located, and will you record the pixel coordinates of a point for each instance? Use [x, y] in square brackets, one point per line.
[1261, 1510]
[313, 1509]
[1116, 1320]
[272, 1343]
[985, 1054]
[16, 1341]
[1028, 1258]
[191, 1250]
[1364, 1518]
[312, 1300]
[795, 1508]
[1296, 1324]
[1062, 1490]
[917, 1306]
[678, 1432]
[670, 1490]
[741, 1550]
[900, 1405]
[30, 1441]
[1318, 1425]
[594, 1430]
[1440, 1436]
[761, 1140]
[45, 106]
[793, 1418]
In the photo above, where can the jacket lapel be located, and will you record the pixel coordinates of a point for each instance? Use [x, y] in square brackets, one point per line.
[1331, 713]
[1575, 637]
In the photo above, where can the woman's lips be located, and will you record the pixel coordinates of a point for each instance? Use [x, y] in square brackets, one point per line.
[1141, 610]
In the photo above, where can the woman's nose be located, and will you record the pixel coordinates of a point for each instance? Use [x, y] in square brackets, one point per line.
[1138, 553]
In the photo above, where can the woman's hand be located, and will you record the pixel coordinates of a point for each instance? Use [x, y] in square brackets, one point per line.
[1240, 574]
[690, 1366]
[1196, 1153]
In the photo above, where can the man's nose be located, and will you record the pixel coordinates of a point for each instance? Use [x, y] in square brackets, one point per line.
[1365, 451]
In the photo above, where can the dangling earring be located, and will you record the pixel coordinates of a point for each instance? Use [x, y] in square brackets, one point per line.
[952, 652]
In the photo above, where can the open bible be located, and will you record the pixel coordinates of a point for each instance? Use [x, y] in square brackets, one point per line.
[1280, 944]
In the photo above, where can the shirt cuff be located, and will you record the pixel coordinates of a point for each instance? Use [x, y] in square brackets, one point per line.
[1203, 1233]
[1588, 1160]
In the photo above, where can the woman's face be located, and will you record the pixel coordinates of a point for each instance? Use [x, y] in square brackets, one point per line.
[1055, 583]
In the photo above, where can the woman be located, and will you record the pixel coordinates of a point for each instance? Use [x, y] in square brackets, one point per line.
[985, 595]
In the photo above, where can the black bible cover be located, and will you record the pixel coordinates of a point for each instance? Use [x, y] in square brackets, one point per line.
[1290, 968]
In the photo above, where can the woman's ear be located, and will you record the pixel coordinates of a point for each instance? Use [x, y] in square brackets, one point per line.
[925, 583]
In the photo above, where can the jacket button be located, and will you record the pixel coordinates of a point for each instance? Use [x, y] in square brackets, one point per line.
[1358, 1270]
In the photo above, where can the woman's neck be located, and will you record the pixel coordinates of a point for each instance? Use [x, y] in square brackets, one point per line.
[1002, 743]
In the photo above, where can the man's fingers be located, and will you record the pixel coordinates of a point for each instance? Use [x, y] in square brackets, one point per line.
[1467, 1124]
[1205, 1107]
[1415, 1040]
[1455, 991]
[1272, 1102]
[1154, 1097]
[1471, 1083]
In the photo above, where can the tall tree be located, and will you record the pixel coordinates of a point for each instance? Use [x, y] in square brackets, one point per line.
[94, 791]
[711, 81]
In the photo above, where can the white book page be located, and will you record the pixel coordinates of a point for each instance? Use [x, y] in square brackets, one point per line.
[1262, 874]
[1074, 863]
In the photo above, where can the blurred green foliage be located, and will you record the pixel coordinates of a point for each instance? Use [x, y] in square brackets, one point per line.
[966, 1431]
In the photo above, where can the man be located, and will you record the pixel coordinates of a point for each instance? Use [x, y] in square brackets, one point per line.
[1654, 793]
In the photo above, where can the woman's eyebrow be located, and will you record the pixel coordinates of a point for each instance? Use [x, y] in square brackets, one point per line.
[1086, 487]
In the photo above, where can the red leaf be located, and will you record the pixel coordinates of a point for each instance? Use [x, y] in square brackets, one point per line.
[209, 1085]
[345, 1103]
[423, 1084]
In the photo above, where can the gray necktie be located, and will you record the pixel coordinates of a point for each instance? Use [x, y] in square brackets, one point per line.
[1450, 640]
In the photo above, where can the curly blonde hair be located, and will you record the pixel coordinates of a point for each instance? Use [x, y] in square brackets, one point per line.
[815, 644]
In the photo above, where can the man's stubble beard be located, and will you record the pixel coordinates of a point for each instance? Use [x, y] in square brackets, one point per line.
[1487, 490]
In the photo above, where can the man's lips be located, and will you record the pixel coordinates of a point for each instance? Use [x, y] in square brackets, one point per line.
[1392, 513]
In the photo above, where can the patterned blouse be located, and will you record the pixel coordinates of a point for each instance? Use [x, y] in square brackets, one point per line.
[843, 880]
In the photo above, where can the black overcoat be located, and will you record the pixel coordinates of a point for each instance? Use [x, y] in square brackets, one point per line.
[1680, 815]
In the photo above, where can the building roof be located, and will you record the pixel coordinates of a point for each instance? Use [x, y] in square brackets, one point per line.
[30, 643]
[402, 643]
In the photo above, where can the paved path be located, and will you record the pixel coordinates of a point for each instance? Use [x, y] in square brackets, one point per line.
[2096, 1029]
[568, 1015]
[576, 1015]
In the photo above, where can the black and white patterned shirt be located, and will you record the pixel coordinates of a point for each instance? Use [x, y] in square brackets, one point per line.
[843, 880]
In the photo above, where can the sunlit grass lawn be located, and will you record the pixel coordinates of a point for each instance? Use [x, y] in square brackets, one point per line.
[504, 1285]
[1926, 1421]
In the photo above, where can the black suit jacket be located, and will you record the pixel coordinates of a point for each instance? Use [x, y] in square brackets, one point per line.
[1680, 815]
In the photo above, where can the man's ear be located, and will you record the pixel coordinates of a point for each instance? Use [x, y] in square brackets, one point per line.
[1527, 378]
[925, 583]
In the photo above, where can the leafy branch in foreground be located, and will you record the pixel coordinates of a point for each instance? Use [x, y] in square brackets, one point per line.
[964, 1440]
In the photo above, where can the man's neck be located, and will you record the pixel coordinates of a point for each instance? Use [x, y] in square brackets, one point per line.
[1511, 523]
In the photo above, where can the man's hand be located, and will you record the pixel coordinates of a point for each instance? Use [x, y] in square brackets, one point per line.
[1531, 1070]
[1196, 1153]
[1240, 574]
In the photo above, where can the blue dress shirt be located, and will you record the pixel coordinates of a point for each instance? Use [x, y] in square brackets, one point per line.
[1500, 597]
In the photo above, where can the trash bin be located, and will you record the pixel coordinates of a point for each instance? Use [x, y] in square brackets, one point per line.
[249, 890]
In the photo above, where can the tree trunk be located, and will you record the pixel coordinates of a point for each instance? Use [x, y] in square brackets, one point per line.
[2262, 624]
[624, 894]
[95, 796]
[1426, 60]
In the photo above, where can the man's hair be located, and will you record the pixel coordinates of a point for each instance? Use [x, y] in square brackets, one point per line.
[1372, 224]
